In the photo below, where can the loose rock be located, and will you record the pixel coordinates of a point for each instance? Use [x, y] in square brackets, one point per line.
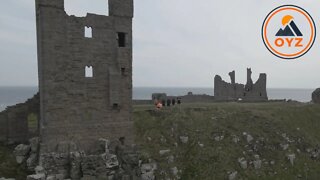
[249, 138]
[184, 139]
[232, 175]
[243, 163]
[162, 152]
[291, 158]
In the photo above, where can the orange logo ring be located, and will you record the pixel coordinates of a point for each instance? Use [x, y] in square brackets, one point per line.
[310, 42]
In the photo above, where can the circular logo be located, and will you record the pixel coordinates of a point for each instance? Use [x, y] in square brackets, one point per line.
[288, 32]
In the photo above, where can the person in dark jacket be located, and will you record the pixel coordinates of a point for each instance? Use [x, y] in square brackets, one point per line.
[179, 100]
[163, 102]
[173, 101]
[168, 102]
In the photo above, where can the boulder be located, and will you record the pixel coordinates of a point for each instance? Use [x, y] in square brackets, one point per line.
[243, 163]
[184, 139]
[249, 138]
[316, 96]
[20, 159]
[174, 171]
[162, 152]
[232, 175]
[22, 150]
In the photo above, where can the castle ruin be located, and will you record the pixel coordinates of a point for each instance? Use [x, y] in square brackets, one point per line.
[233, 91]
[85, 78]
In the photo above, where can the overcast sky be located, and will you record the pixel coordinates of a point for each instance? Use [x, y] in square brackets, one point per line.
[177, 43]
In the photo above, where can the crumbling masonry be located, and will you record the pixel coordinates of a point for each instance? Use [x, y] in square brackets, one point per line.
[85, 80]
[233, 91]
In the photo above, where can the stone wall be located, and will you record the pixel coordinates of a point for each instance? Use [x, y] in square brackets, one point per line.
[224, 91]
[14, 121]
[76, 107]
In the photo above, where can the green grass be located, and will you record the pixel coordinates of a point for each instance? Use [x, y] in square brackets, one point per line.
[266, 122]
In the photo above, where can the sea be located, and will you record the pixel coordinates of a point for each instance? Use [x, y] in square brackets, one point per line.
[13, 95]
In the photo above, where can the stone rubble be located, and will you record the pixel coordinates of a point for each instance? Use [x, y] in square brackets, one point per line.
[174, 171]
[284, 146]
[232, 175]
[235, 139]
[249, 138]
[118, 162]
[291, 158]
[218, 138]
[257, 162]
[21, 152]
[184, 139]
[243, 163]
[162, 152]
[200, 145]
[147, 171]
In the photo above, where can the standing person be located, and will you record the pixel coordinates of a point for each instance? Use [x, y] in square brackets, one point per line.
[173, 101]
[163, 102]
[168, 102]
[179, 100]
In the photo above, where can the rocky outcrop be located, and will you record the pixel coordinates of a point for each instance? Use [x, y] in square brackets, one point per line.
[112, 160]
[28, 154]
[316, 96]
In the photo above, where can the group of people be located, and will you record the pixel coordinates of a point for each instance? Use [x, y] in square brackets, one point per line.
[162, 103]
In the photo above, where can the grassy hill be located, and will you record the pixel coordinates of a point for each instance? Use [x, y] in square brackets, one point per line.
[217, 138]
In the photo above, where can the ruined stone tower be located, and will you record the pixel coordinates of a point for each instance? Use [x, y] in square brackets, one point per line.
[224, 91]
[85, 81]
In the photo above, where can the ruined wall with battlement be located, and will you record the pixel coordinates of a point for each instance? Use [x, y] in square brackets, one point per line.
[224, 91]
